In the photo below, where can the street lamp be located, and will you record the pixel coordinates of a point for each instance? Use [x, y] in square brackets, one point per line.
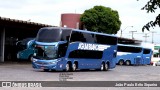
[125, 29]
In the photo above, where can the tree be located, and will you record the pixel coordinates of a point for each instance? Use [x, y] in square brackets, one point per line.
[151, 7]
[101, 19]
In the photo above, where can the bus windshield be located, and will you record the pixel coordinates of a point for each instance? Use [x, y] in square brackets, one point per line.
[49, 35]
[46, 52]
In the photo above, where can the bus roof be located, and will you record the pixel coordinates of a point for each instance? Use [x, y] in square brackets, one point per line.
[85, 31]
[94, 32]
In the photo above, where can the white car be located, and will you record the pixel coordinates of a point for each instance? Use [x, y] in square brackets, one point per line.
[157, 63]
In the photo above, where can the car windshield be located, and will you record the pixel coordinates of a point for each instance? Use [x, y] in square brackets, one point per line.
[45, 52]
[23, 44]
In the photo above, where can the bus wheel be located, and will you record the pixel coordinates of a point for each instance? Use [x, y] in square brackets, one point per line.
[102, 67]
[74, 67]
[121, 62]
[128, 63]
[67, 67]
[106, 67]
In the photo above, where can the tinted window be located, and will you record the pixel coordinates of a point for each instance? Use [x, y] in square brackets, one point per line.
[101, 39]
[65, 35]
[89, 37]
[77, 36]
[129, 49]
[49, 35]
[146, 51]
[21, 45]
[62, 49]
[86, 54]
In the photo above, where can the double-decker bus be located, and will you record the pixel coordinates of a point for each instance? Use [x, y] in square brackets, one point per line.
[67, 49]
[133, 55]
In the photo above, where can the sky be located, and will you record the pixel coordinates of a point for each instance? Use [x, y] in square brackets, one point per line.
[49, 12]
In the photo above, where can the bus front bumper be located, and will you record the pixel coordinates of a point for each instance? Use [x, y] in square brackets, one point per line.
[50, 65]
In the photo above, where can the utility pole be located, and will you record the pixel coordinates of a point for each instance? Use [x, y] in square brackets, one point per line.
[125, 29]
[145, 36]
[153, 35]
[132, 33]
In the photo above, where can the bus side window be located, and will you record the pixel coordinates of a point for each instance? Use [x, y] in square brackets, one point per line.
[101, 39]
[146, 51]
[89, 37]
[77, 36]
[65, 35]
[129, 49]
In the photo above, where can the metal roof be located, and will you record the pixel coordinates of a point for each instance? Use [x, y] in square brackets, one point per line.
[24, 22]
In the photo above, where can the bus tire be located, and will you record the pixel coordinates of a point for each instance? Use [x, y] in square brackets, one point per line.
[68, 67]
[102, 67]
[128, 63]
[106, 67]
[121, 62]
[74, 67]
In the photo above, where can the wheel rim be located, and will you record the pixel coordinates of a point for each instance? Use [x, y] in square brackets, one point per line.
[102, 67]
[121, 63]
[127, 63]
[106, 66]
[67, 67]
[74, 67]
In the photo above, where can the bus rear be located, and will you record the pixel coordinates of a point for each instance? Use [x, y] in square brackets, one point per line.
[147, 55]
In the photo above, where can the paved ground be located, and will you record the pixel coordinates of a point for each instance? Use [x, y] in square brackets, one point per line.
[24, 72]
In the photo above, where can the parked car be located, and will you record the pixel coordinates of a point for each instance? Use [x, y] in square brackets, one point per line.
[157, 63]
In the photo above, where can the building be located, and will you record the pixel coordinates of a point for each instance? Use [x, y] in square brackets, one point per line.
[71, 20]
[11, 31]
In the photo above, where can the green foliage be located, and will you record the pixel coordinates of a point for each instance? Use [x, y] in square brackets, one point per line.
[101, 19]
[151, 6]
